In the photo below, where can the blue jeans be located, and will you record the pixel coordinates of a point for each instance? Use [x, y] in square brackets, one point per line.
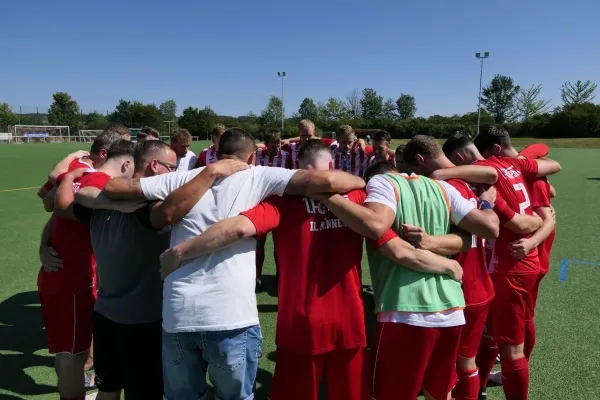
[230, 357]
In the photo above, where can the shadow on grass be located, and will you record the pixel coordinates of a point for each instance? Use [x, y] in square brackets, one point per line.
[269, 285]
[21, 335]
[593, 179]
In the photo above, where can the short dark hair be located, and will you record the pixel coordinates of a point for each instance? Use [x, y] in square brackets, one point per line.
[236, 142]
[311, 148]
[104, 141]
[382, 136]
[117, 128]
[421, 144]
[455, 142]
[400, 149]
[380, 167]
[149, 148]
[272, 136]
[181, 135]
[485, 141]
[148, 131]
[120, 148]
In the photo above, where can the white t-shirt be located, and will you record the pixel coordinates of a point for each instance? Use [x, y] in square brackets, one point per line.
[381, 190]
[215, 292]
[188, 162]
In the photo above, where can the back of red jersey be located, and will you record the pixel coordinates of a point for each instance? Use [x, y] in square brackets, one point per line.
[513, 174]
[477, 285]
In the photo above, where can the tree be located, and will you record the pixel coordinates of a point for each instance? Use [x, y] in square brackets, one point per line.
[64, 111]
[7, 117]
[95, 121]
[308, 109]
[123, 113]
[169, 110]
[335, 109]
[578, 93]
[528, 104]
[407, 106]
[272, 115]
[371, 104]
[498, 98]
[389, 109]
[353, 104]
[137, 114]
[199, 122]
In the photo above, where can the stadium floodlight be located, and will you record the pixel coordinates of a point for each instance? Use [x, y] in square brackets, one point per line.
[480, 57]
[282, 75]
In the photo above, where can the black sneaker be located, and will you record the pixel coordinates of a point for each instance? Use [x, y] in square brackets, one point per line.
[258, 287]
[482, 394]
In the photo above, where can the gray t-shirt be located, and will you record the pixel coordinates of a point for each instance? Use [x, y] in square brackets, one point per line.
[127, 250]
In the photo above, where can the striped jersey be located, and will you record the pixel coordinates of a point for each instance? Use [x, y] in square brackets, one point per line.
[293, 148]
[207, 156]
[282, 159]
[354, 162]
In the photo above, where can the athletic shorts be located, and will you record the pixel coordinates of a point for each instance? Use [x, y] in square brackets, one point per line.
[476, 318]
[68, 321]
[407, 358]
[128, 357]
[299, 376]
[510, 307]
[534, 296]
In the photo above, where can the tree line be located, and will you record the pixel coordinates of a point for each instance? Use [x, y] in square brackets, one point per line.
[521, 110]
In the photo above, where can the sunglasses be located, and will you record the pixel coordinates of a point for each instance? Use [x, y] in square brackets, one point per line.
[167, 165]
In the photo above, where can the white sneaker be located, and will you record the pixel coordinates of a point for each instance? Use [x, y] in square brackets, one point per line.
[496, 378]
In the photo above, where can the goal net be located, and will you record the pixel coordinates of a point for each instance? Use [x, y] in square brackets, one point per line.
[39, 133]
[88, 135]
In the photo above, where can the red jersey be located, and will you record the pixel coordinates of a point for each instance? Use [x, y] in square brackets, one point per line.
[320, 293]
[281, 159]
[71, 239]
[477, 285]
[355, 161]
[539, 189]
[512, 176]
[207, 156]
[293, 148]
[75, 164]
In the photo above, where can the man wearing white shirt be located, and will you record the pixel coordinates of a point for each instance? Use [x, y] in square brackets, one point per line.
[180, 142]
[210, 318]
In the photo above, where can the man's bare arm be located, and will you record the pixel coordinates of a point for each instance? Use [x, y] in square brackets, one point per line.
[65, 199]
[49, 200]
[63, 165]
[547, 167]
[482, 223]
[420, 260]
[470, 173]
[524, 224]
[94, 198]
[219, 236]
[449, 245]
[305, 182]
[124, 189]
[179, 202]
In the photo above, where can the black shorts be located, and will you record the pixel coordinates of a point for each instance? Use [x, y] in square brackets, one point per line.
[128, 357]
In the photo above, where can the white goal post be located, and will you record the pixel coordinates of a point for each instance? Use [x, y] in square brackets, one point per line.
[39, 133]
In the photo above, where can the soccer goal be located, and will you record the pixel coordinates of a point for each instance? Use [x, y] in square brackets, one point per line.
[39, 133]
[88, 135]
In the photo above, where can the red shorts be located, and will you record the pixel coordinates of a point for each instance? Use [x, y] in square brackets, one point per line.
[472, 332]
[299, 376]
[407, 358]
[510, 307]
[534, 296]
[68, 321]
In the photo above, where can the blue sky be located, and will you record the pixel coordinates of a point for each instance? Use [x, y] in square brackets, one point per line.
[226, 54]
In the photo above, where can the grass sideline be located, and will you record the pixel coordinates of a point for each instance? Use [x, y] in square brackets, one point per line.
[564, 363]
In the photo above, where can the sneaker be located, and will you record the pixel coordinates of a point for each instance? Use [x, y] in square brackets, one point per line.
[498, 359]
[258, 287]
[88, 383]
[482, 394]
[496, 378]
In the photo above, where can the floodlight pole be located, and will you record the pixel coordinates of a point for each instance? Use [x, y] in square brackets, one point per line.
[479, 56]
[282, 75]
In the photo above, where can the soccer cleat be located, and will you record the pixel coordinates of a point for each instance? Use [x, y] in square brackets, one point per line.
[258, 287]
[496, 378]
[498, 359]
[482, 394]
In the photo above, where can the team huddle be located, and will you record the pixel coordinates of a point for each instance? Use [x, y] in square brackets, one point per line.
[156, 254]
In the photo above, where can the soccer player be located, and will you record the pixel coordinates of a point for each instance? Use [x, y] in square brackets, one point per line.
[180, 142]
[424, 155]
[147, 133]
[306, 129]
[419, 315]
[349, 155]
[272, 155]
[320, 325]
[382, 144]
[209, 154]
[498, 143]
[219, 321]
[67, 292]
[513, 279]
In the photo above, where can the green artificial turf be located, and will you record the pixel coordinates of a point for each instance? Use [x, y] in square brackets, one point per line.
[565, 360]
